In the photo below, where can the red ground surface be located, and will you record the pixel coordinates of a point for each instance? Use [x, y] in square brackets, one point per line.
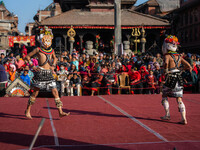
[94, 123]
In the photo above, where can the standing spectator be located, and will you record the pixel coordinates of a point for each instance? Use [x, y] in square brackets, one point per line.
[144, 73]
[135, 81]
[151, 83]
[3, 59]
[25, 77]
[3, 76]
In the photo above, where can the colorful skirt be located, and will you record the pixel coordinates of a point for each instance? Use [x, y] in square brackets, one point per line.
[44, 79]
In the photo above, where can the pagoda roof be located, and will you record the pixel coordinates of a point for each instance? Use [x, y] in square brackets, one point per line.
[78, 17]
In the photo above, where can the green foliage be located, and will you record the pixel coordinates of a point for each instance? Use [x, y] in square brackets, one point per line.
[2, 3]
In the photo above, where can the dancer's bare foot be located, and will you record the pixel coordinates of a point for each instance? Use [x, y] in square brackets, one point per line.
[28, 115]
[167, 118]
[63, 114]
[183, 122]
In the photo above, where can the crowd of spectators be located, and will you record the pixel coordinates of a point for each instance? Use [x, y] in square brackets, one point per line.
[89, 75]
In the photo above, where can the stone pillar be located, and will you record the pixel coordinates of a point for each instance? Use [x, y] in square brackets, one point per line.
[81, 41]
[65, 37]
[71, 41]
[143, 40]
[118, 31]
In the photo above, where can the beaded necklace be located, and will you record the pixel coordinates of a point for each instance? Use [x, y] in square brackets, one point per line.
[48, 52]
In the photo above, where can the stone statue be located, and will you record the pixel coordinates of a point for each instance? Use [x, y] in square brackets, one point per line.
[127, 50]
[89, 48]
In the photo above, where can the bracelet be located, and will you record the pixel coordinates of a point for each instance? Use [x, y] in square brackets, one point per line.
[53, 65]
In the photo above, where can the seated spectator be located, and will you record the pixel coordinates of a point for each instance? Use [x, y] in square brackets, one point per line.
[157, 72]
[139, 63]
[81, 62]
[74, 62]
[12, 73]
[64, 55]
[111, 79]
[118, 64]
[128, 66]
[75, 83]
[135, 81]
[144, 73]
[159, 59]
[30, 73]
[35, 61]
[24, 50]
[72, 69]
[62, 70]
[25, 77]
[65, 84]
[153, 63]
[95, 81]
[19, 63]
[12, 58]
[198, 61]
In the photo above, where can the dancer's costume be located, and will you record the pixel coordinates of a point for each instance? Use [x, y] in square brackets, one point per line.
[173, 86]
[43, 79]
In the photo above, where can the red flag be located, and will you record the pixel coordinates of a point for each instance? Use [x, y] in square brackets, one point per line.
[11, 41]
[32, 40]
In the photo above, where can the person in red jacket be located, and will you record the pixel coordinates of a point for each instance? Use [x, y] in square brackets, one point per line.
[135, 81]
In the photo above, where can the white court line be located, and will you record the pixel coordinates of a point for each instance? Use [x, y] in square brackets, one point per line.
[112, 144]
[52, 125]
[191, 100]
[135, 120]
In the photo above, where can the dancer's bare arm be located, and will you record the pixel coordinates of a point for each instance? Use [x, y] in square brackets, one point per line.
[54, 58]
[186, 64]
[28, 57]
[166, 63]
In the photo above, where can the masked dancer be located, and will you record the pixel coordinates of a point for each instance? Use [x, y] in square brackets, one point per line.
[43, 77]
[173, 86]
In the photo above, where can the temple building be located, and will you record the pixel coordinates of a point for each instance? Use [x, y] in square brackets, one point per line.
[159, 8]
[186, 25]
[8, 26]
[93, 20]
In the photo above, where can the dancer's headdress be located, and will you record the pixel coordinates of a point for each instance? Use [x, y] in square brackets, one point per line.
[170, 44]
[44, 31]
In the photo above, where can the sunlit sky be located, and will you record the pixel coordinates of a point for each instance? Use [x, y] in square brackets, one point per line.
[26, 9]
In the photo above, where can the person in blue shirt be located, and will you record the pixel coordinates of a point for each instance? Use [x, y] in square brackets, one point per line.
[25, 77]
[75, 62]
[3, 76]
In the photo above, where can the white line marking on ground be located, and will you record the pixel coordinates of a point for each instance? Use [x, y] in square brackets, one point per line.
[135, 120]
[112, 144]
[191, 100]
[52, 125]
